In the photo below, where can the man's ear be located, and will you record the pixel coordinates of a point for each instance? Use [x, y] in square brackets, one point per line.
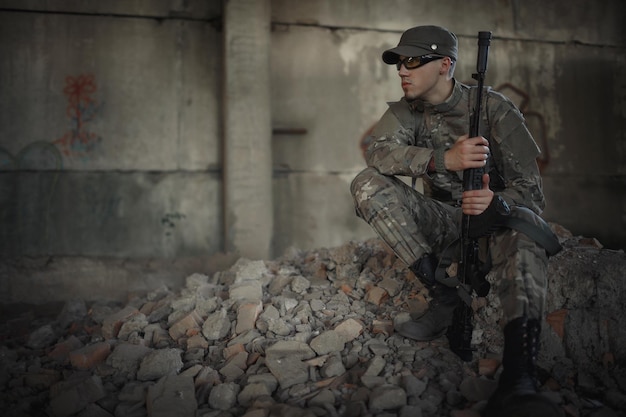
[444, 67]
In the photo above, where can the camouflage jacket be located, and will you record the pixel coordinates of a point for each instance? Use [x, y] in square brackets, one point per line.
[408, 134]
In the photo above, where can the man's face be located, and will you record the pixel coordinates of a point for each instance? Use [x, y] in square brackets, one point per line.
[420, 81]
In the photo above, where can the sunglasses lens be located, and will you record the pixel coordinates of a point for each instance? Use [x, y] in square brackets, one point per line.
[412, 62]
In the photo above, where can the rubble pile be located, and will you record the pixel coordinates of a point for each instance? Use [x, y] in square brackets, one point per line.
[309, 334]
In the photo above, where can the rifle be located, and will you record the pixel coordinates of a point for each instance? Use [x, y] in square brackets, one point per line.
[460, 331]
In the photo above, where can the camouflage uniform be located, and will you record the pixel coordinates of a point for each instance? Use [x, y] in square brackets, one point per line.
[413, 224]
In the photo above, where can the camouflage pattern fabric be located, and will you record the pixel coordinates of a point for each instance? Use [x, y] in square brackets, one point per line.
[414, 224]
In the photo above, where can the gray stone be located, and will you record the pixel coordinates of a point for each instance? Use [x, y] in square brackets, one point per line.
[373, 381]
[477, 388]
[246, 290]
[42, 337]
[284, 359]
[267, 379]
[387, 397]
[278, 283]
[195, 281]
[410, 411]
[160, 363]
[172, 395]
[251, 392]
[378, 347]
[333, 367]
[162, 310]
[73, 311]
[126, 357]
[375, 366]
[250, 336]
[327, 342]
[339, 303]
[269, 313]
[280, 327]
[206, 306]
[454, 397]
[216, 326]
[135, 324]
[247, 270]
[73, 395]
[180, 308]
[224, 396]
[413, 385]
[284, 303]
[133, 392]
[300, 284]
[324, 397]
[317, 305]
[158, 293]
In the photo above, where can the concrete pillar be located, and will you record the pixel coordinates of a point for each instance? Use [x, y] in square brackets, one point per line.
[248, 207]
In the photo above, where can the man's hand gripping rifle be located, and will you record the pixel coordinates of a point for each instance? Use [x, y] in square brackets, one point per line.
[470, 276]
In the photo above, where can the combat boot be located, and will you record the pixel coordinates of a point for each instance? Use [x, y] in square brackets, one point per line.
[434, 323]
[517, 394]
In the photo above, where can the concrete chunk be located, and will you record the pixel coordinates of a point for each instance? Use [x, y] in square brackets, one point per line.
[349, 330]
[216, 326]
[327, 342]
[42, 337]
[246, 290]
[387, 397]
[247, 270]
[284, 360]
[112, 323]
[172, 395]
[71, 396]
[126, 357]
[191, 321]
[160, 363]
[224, 396]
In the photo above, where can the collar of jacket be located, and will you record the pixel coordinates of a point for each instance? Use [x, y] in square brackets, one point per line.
[449, 104]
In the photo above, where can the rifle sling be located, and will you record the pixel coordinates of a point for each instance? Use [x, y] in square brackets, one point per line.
[528, 222]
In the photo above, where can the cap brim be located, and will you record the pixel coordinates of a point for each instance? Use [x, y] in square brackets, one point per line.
[392, 56]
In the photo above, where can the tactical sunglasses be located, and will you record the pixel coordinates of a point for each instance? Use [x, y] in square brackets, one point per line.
[413, 62]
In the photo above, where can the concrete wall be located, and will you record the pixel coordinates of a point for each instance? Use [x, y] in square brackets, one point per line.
[112, 118]
[109, 131]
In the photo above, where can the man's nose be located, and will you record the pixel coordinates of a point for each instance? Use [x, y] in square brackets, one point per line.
[403, 72]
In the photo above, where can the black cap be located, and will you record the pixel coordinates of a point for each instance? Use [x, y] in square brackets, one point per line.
[423, 40]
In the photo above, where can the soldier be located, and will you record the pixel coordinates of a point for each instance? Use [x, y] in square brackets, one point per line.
[425, 135]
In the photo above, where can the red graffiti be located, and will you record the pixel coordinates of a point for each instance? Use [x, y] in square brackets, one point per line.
[81, 109]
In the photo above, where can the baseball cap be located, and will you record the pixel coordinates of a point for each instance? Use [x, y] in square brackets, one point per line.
[423, 40]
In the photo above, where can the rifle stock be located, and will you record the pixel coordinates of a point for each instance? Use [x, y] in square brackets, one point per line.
[460, 331]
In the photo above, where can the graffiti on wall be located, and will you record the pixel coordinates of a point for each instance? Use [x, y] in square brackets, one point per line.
[35, 155]
[170, 220]
[79, 141]
[81, 109]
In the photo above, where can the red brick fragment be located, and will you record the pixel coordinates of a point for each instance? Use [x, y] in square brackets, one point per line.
[90, 356]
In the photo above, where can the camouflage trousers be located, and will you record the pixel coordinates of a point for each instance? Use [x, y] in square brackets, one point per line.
[413, 225]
